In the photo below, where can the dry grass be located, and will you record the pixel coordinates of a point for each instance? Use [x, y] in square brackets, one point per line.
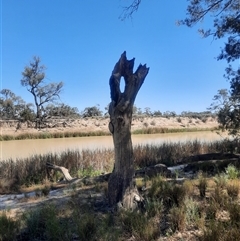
[173, 210]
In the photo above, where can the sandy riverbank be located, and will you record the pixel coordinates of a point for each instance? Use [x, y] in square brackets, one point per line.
[101, 124]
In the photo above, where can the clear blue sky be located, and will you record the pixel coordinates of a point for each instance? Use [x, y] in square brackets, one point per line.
[80, 41]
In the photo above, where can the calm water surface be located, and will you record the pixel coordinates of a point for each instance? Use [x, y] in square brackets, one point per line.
[27, 148]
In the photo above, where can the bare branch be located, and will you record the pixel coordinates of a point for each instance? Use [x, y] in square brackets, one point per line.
[129, 10]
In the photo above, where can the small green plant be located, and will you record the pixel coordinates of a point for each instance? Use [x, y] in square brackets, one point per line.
[211, 210]
[43, 224]
[221, 180]
[232, 172]
[234, 213]
[86, 226]
[213, 232]
[169, 192]
[219, 197]
[188, 187]
[192, 210]
[8, 228]
[202, 185]
[177, 218]
[154, 207]
[45, 190]
[233, 189]
[137, 225]
[88, 172]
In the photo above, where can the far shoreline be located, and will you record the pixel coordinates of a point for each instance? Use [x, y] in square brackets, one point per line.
[84, 127]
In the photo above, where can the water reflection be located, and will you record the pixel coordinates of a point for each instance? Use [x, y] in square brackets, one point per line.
[26, 148]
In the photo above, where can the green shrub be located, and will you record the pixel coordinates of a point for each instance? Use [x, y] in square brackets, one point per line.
[46, 190]
[232, 172]
[86, 226]
[219, 197]
[221, 180]
[170, 193]
[202, 185]
[213, 232]
[233, 189]
[154, 207]
[43, 224]
[137, 225]
[8, 228]
[192, 210]
[177, 218]
[234, 213]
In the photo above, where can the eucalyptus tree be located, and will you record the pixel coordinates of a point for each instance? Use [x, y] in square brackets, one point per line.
[92, 111]
[225, 15]
[33, 78]
[226, 24]
[61, 110]
[13, 106]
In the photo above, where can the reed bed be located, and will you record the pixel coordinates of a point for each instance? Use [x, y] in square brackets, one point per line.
[66, 134]
[174, 153]
[161, 130]
[49, 135]
[33, 170]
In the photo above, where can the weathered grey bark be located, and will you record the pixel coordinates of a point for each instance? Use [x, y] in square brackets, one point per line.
[63, 170]
[120, 185]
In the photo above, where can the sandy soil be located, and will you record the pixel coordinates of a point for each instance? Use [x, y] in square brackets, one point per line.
[101, 124]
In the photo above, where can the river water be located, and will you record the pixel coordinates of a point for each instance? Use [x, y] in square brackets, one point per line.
[27, 148]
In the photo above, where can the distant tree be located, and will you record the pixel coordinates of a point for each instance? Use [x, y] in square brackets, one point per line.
[27, 114]
[137, 111]
[91, 111]
[173, 114]
[169, 114]
[147, 111]
[227, 110]
[33, 80]
[61, 110]
[13, 106]
[157, 113]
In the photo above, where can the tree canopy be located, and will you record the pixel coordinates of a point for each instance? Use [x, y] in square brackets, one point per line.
[91, 111]
[33, 80]
[225, 15]
[14, 107]
[226, 24]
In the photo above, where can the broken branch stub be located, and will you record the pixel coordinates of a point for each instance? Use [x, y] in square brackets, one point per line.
[63, 170]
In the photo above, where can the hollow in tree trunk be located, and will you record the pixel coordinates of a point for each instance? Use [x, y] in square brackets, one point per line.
[121, 188]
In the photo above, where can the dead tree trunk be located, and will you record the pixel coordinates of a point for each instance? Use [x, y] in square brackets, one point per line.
[64, 170]
[121, 189]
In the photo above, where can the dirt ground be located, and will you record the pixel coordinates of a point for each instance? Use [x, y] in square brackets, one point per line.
[101, 124]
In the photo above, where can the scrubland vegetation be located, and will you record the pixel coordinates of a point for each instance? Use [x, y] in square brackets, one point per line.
[98, 126]
[203, 208]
